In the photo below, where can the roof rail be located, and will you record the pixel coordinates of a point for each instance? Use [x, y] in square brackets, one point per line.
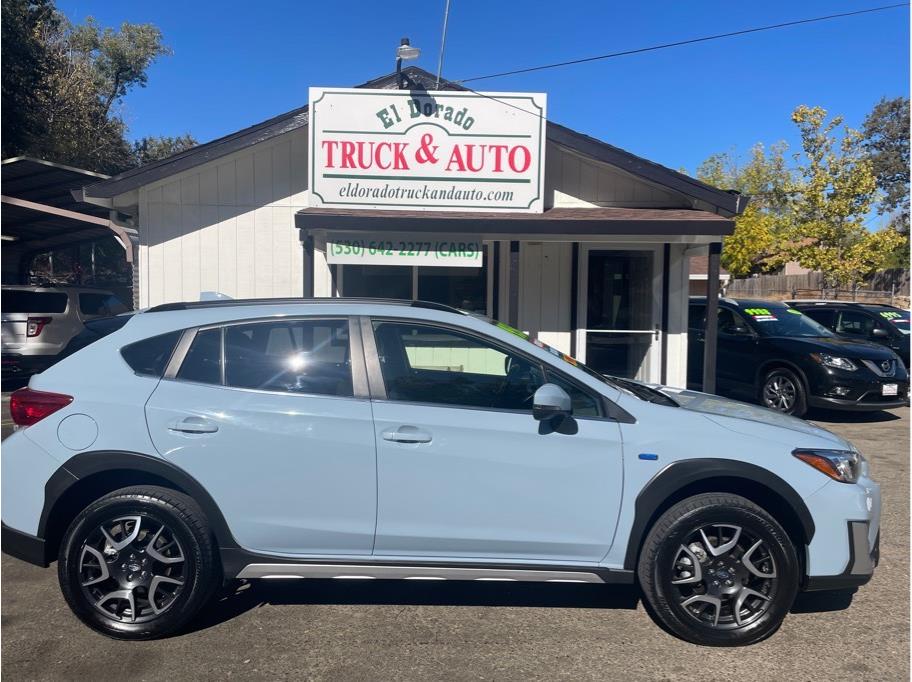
[230, 302]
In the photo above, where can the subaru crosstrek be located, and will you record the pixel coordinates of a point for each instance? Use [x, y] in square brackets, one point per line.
[206, 442]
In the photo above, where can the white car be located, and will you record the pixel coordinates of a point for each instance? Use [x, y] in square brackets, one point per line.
[38, 322]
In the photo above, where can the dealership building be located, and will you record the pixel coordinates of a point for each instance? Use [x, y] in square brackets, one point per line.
[474, 200]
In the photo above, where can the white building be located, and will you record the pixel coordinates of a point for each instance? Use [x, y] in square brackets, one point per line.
[600, 274]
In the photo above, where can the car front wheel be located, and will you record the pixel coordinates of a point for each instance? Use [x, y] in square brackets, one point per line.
[137, 563]
[783, 391]
[717, 570]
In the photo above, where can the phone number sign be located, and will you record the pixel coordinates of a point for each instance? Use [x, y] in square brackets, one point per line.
[464, 252]
[435, 151]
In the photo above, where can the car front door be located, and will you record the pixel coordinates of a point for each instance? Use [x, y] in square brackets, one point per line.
[465, 471]
[273, 419]
[737, 353]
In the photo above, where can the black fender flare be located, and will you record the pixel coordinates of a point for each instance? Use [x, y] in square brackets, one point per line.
[86, 464]
[679, 475]
[786, 364]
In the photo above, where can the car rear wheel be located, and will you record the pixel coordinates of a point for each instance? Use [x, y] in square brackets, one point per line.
[783, 391]
[717, 570]
[137, 563]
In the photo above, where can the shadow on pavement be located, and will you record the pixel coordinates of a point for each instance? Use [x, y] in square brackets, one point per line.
[839, 417]
[240, 597]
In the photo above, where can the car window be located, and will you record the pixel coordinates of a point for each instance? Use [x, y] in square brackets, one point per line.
[17, 301]
[822, 315]
[855, 323]
[732, 323]
[584, 403]
[696, 317]
[203, 362]
[150, 356]
[295, 356]
[101, 304]
[429, 364]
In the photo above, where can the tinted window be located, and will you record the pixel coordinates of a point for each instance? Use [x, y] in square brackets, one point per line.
[855, 323]
[150, 357]
[821, 315]
[101, 304]
[435, 365]
[203, 362]
[732, 323]
[15, 301]
[297, 356]
[695, 317]
[770, 319]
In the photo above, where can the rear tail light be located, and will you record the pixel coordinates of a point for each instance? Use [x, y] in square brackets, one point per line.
[35, 325]
[29, 407]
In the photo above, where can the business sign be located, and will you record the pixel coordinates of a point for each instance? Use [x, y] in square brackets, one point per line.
[403, 249]
[431, 151]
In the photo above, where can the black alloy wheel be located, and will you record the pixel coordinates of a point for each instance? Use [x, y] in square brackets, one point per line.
[137, 563]
[718, 570]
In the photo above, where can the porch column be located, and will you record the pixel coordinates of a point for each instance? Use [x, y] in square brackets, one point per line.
[712, 319]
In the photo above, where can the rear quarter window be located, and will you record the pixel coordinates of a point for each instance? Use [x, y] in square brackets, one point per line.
[101, 304]
[15, 301]
[149, 357]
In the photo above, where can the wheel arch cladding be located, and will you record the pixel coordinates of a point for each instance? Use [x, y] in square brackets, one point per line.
[91, 475]
[685, 478]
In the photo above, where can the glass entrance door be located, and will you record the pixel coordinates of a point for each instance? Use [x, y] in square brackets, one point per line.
[619, 311]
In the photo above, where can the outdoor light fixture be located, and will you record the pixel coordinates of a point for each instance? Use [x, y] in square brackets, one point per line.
[404, 51]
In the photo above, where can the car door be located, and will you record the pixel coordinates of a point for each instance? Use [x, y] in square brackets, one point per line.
[272, 417]
[736, 361]
[696, 343]
[465, 471]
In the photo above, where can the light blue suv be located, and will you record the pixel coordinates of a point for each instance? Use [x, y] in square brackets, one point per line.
[337, 438]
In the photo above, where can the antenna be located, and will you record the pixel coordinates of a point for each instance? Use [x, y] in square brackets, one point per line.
[446, 17]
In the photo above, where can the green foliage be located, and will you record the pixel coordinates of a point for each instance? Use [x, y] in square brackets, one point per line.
[886, 141]
[837, 191]
[151, 149]
[755, 245]
[63, 84]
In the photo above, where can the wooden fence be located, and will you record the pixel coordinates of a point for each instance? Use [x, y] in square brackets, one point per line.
[886, 286]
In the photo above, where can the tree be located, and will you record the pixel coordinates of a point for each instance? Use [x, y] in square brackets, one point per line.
[26, 64]
[63, 85]
[886, 141]
[151, 149]
[757, 242]
[836, 192]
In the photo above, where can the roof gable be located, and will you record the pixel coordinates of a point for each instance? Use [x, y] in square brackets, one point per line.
[725, 202]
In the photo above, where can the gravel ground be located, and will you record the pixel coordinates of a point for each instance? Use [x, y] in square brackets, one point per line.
[453, 631]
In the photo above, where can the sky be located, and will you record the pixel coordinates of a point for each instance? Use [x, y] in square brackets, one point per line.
[238, 63]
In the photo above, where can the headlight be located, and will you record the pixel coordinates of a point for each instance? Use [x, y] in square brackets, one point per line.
[841, 465]
[834, 361]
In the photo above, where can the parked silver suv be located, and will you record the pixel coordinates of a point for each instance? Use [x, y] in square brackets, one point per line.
[38, 322]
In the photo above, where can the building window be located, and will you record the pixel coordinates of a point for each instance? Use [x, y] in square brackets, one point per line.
[464, 288]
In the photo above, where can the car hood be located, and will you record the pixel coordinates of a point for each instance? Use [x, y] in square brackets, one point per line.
[851, 348]
[752, 420]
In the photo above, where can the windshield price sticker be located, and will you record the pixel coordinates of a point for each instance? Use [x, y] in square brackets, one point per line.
[465, 252]
[761, 314]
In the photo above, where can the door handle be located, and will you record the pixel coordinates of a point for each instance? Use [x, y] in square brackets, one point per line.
[407, 434]
[193, 425]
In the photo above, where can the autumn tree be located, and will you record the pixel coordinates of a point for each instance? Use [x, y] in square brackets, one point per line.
[757, 242]
[836, 191]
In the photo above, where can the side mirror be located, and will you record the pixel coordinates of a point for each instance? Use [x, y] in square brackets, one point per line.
[550, 401]
[879, 333]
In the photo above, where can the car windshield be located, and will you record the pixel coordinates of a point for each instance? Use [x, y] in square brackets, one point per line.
[634, 388]
[898, 318]
[780, 320]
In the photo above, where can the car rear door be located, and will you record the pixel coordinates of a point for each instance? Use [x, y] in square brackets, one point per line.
[465, 471]
[272, 417]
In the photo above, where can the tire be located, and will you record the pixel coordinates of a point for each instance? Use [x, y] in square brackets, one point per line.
[782, 390]
[687, 609]
[145, 543]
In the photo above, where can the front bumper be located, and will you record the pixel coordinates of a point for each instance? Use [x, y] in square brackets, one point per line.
[859, 391]
[23, 546]
[862, 562]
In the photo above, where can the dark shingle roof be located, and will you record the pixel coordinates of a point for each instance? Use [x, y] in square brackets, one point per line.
[728, 203]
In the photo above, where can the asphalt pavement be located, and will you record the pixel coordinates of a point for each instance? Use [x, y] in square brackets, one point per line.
[417, 630]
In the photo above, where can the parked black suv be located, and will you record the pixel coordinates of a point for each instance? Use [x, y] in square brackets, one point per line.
[880, 323]
[771, 353]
